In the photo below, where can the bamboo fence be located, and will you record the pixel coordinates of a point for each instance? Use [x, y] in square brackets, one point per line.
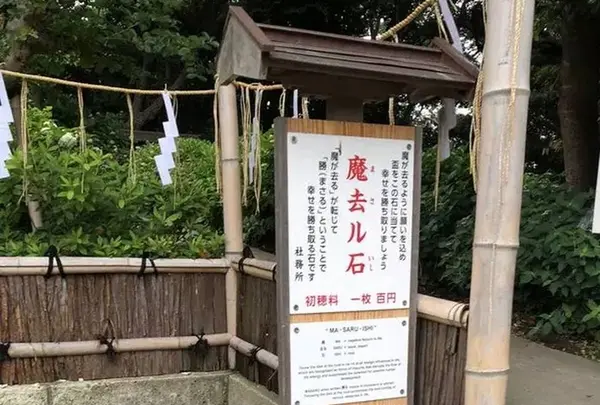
[102, 321]
[441, 337]
[57, 324]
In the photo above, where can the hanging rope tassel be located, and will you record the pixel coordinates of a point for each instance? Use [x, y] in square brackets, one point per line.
[217, 141]
[305, 111]
[255, 149]
[82, 135]
[24, 139]
[475, 133]
[132, 172]
[391, 111]
[440, 21]
[82, 139]
[245, 113]
[176, 158]
[282, 103]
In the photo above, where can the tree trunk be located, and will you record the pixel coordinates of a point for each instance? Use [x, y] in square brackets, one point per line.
[578, 101]
[142, 117]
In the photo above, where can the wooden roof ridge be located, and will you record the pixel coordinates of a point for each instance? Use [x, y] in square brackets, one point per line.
[291, 55]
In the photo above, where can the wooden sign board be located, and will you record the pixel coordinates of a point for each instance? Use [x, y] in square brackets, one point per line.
[347, 201]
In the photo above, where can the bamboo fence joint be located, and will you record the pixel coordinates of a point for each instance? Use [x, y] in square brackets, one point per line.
[248, 349]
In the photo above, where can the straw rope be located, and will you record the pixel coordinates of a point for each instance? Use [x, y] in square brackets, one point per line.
[282, 104]
[508, 136]
[305, 111]
[475, 130]
[127, 90]
[440, 20]
[82, 135]
[257, 150]
[410, 18]
[246, 114]
[391, 111]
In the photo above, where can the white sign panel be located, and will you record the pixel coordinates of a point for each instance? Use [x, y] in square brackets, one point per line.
[348, 361]
[350, 223]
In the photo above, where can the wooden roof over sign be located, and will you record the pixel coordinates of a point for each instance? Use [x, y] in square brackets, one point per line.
[325, 65]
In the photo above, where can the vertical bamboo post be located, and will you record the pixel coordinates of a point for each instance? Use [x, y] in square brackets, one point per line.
[504, 118]
[232, 201]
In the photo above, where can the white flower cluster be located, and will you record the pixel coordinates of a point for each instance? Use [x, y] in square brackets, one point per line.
[6, 118]
[164, 161]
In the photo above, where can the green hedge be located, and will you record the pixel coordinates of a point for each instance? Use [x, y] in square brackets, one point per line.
[90, 207]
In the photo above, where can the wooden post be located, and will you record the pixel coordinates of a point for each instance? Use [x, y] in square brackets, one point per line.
[344, 109]
[504, 118]
[232, 201]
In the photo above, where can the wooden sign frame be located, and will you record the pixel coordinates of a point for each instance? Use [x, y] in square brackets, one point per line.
[283, 126]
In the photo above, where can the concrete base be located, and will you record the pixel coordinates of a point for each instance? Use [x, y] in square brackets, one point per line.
[219, 388]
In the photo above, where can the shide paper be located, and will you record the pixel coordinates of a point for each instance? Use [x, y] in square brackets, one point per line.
[6, 118]
[164, 161]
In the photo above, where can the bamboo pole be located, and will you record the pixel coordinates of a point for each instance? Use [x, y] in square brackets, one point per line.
[435, 309]
[232, 200]
[443, 311]
[505, 96]
[54, 349]
[247, 349]
[256, 268]
[38, 266]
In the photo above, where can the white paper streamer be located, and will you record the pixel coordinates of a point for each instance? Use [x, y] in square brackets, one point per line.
[446, 121]
[164, 161]
[295, 103]
[3, 170]
[167, 145]
[170, 129]
[5, 132]
[169, 107]
[5, 152]
[6, 115]
[163, 169]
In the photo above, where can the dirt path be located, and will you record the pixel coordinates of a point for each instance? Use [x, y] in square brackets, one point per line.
[540, 375]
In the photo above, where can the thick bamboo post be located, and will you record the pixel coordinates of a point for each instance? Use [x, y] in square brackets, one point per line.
[504, 117]
[232, 201]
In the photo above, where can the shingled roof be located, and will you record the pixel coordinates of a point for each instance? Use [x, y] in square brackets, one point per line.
[325, 64]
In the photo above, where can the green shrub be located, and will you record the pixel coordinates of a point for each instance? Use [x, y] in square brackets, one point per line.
[91, 206]
[259, 225]
[558, 263]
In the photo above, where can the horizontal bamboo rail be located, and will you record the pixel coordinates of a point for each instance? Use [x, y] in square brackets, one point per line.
[38, 266]
[250, 350]
[432, 308]
[52, 349]
[257, 268]
[90, 347]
